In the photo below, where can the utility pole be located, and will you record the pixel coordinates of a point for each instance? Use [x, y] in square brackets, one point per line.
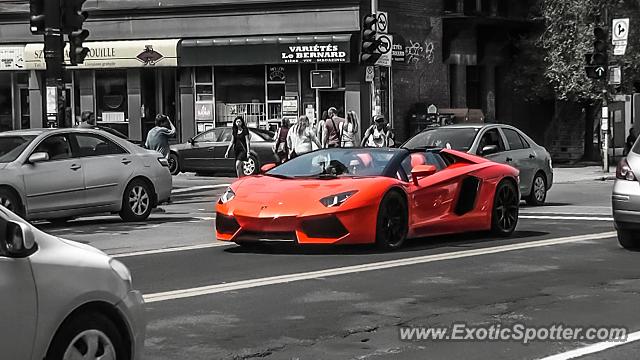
[376, 84]
[54, 57]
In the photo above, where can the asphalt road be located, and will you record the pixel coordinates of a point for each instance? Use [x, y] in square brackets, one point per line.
[208, 300]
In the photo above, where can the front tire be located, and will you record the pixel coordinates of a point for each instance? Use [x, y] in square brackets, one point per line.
[9, 200]
[629, 240]
[174, 165]
[538, 193]
[137, 201]
[251, 166]
[504, 215]
[88, 336]
[392, 222]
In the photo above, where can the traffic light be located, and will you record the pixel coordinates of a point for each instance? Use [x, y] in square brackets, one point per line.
[598, 61]
[369, 52]
[36, 9]
[77, 53]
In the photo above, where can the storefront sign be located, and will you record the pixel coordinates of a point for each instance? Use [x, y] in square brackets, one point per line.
[52, 102]
[289, 106]
[204, 111]
[398, 53]
[276, 73]
[113, 54]
[11, 57]
[316, 53]
[310, 112]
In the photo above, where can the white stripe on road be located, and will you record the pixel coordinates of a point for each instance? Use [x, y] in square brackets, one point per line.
[584, 218]
[171, 249]
[594, 348]
[252, 283]
[198, 188]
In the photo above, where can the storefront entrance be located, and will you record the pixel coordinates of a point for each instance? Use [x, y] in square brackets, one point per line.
[334, 99]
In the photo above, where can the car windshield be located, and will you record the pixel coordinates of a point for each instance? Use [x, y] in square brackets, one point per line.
[456, 138]
[265, 134]
[332, 163]
[12, 146]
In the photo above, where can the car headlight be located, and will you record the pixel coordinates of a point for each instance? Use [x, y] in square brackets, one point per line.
[338, 199]
[227, 196]
[122, 271]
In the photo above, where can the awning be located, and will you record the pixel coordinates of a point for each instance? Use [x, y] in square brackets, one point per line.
[114, 54]
[258, 50]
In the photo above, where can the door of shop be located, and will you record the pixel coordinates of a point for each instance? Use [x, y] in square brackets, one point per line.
[23, 109]
[148, 96]
[334, 99]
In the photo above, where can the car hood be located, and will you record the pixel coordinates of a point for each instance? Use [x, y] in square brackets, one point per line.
[300, 196]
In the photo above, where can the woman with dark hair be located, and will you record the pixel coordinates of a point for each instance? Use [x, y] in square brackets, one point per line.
[240, 143]
[280, 147]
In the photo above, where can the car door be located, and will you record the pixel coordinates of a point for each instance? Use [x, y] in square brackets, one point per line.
[19, 303]
[222, 162]
[492, 136]
[199, 155]
[523, 157]
[107, 167]
[56, 184]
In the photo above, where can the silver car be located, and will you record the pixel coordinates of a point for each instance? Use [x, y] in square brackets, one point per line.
[63, 300]
[59, 174]
[500, 143]
[626, 199]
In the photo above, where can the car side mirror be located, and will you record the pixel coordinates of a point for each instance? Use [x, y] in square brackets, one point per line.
[38, 157]
[488, 150]
[18, 240]
[267, 167]
[422, 171]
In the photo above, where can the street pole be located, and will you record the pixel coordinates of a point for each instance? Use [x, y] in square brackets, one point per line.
[54, 57]
[375, 84]
[605, 132]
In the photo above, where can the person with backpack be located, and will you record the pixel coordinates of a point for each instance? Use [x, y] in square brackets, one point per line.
[332, 129]
[377, 135]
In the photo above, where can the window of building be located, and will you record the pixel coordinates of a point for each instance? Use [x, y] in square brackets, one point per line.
[240, 91]
[204, 98]
[6, 101]
[111, 96]
[451, 6]
[474, 89]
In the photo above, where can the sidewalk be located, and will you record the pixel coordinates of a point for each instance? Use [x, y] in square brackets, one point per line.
[582, 173]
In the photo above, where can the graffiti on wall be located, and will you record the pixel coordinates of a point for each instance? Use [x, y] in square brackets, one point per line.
[418, 52]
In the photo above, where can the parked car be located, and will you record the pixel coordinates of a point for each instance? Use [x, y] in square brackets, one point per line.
[626, 199]
[59, 174]
[205, 152]
[500, 143]
[64, 300]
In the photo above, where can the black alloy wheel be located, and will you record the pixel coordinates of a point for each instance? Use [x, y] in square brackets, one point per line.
[393, 222]
[174, 166]
[506, 208]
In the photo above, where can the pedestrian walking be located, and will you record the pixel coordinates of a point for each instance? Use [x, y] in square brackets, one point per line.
[87, 120]
[349, 130]
[320, 126]
[631, 139]
[377, 135]
[240, 143]
[301, 138]
[158, 137]
[332, 129]
[281, 148]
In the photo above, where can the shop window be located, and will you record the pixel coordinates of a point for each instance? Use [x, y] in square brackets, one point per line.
[111, 96]
[204, 98]
[451, 6]
[240, 91]
[6, 102]
[474, 97]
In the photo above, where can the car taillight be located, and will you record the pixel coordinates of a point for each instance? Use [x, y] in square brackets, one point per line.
[624, 172]
[163, 161]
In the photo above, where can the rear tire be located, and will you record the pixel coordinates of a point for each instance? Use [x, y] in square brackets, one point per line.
[629, 240]
[174, 165]
[9, 200]
[393, 222]
[504, 215]
[137, 201]
[538, 193]
[77, 333]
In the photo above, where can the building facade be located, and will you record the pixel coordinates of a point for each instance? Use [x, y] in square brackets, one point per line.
[205, 62]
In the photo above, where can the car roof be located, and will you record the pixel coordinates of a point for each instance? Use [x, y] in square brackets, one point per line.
[474, 126]
[39, 131]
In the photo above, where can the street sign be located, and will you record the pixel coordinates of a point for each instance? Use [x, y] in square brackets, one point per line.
[615, 75]
[370, 74]
[385, 47]
[600, 71]
[619, 36]
[432, 109]
[382, 24]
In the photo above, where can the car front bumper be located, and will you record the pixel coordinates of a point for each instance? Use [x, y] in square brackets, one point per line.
[133, 308]
[625, 202]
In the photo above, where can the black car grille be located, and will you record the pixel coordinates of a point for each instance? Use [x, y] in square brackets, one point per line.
[226, 224]
[266, 236]
[327, 227]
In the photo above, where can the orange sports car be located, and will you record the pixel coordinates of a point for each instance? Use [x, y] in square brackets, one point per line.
[370, 195]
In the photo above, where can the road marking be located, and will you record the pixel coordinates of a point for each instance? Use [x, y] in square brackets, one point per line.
[584, 218]
[170, 250]
[198, 188]
[594, 348]
[281, 279]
